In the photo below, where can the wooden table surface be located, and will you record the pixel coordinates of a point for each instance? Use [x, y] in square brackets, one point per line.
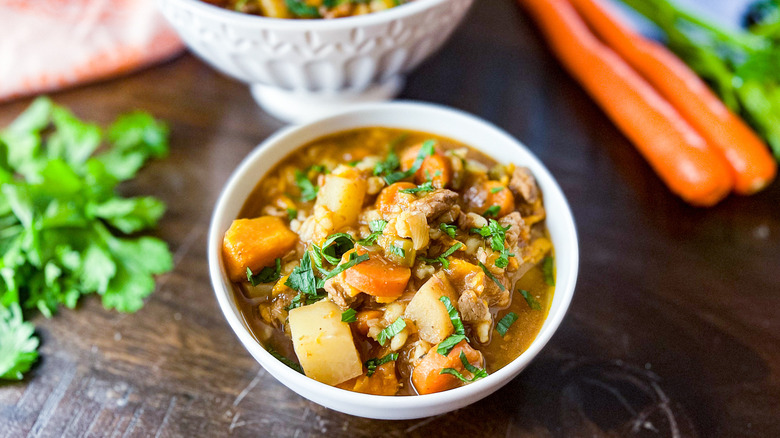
[674, 329]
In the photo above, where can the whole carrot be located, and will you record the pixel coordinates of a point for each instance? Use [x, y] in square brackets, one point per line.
[680, 156]
[752, 165]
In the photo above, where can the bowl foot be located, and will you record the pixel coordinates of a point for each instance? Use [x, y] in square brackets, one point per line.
[300, 107]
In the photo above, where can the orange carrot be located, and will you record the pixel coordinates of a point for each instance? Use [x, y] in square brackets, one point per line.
[427, 377]
[254, 244]
[390, 196]
[363, 317]
[680, 156]
[482, 197]
[435, 167]
[752, 165]
[378, 277]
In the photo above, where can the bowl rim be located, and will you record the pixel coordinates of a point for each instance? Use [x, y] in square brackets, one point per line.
[221, 14]
[319, 391]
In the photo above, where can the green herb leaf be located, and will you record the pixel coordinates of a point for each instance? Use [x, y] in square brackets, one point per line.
[373, 364]
[300, 9]
[285, 360]
[449, 229]
[426, 150]
[495, 190]
[376, 227]
[335, 246]
[390, 331]
[349, 315]
[497, 235]
[503, 325]
[548, 270]
[353, 260]
[266, 275]
[492, 211]
[292, 213]
[530, 299]
[18, 345]
[477, 373]
[397, 251]
[422, 188]
[491, 276]
[392, 162]
[459, 332]
[308, 190]
[443, 257]
[302, 277]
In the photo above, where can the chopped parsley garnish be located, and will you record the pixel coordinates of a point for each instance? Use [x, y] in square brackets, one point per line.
[302, 277]
[492, 211]
[491, 276]
[503, 325]
[449, 229]
[266, 275]
[422, 188]
[299, 8]
[495, 190]
[443, 257]
[458, 335]
[425, 151]
[335, 246]
[308, 190]
[390, 331]
[376, 227]
[349, 315]
[497, 235]
[397, 250]
[392, 162]
[304, 300]
[353, 163]
[353, 260]
[530, 299]
[292, 213]
[373, 364]
[548, 265]
[477, 373]
[283, 359]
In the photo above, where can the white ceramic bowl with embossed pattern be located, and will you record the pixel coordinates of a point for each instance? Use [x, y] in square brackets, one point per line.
[415, 117]
[303, 69]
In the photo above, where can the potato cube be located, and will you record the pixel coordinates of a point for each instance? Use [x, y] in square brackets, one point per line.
[343, 197]
[428, 313]
[324, 344]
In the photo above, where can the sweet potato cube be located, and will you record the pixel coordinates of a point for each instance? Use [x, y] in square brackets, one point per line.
[324, 344]
[254, 244]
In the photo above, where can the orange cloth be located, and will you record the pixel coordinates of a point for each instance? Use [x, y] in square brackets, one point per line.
[51, 44]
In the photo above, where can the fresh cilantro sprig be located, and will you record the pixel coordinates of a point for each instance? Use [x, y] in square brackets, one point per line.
[458, 334]
[477, 373]
[18, 346]
[373, 363]
[497, 235]
[63, 222]
[443, 257]
[266, 275]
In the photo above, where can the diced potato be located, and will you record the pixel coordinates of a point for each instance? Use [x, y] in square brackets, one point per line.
[255, 244]
[343, 197]
[324, 344]
[428, 313]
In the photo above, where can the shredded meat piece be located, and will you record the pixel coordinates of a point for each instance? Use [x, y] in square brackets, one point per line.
[523, 185]
[494, 295]
[518, 231]
[475, 312]
[276, 313]
[340, 292]
[435, 203]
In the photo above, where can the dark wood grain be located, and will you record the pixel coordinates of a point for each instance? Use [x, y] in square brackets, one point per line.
[674, 329]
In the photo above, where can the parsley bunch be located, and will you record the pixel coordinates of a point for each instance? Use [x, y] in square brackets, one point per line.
[61, 219]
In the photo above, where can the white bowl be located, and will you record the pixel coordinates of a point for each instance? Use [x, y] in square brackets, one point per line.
[301, 69]
[418, 117]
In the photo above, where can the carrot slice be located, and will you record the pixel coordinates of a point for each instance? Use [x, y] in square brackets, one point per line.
[254, 244]
[390, 196]
[427, 377]
[752, 165]
[679, 155]
[435, 167]
[486, 196]
[378, 277]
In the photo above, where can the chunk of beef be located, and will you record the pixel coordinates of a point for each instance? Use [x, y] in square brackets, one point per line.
[518, 232]
[435, 204]
[523, 185]
[340, 292]
[475, 312]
